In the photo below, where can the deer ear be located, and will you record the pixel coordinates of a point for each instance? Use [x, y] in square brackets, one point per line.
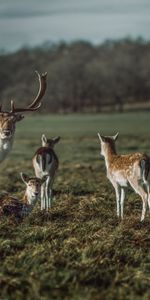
[18, 118]
[24, 177]
[101, 137]
[115, 136]
[56, 139]
[44, 139]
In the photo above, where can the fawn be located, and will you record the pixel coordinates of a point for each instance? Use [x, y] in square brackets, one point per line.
[45, 162]
[20, 209]
[132, 169]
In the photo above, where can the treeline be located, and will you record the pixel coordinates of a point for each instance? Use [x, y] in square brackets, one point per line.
[81, 76]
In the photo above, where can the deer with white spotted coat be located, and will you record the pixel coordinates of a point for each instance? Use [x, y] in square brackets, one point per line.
[123, 170]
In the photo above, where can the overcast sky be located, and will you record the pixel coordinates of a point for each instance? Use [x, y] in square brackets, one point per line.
[32, 22]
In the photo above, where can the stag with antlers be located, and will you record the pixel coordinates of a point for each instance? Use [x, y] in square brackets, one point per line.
[8, 119]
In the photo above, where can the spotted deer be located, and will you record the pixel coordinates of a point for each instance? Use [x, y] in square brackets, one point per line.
[45, 162]
[20, 209]
[123, 170]
[8, 119]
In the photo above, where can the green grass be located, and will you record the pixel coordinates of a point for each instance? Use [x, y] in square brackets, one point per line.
[79, 250]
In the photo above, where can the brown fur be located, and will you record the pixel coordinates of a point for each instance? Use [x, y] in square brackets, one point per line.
[11, 206]
[45, 162]
[123, 170]
[42, 151]
[123, 162]
[20, 208]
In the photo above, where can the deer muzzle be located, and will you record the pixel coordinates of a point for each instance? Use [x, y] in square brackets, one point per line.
[5, 134]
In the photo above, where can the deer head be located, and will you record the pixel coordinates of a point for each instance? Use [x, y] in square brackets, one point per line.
[107, 143]
[8, 119]
[33, 187]
[49, 142]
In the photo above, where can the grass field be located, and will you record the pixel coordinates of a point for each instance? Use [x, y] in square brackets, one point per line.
[78, 250]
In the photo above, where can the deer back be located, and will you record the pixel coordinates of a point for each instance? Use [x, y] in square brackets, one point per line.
[45, 161]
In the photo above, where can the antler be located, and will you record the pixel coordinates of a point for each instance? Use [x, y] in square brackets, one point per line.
[36, 103]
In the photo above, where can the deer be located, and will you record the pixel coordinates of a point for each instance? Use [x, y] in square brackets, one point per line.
[126, 170]
[45, 162]
[8, 119]
[20, 209]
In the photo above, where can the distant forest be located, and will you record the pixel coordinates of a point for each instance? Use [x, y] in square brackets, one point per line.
[114, 76]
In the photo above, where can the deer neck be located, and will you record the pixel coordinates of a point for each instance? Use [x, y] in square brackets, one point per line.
[5, 147]
[109, 154]
[26, 201]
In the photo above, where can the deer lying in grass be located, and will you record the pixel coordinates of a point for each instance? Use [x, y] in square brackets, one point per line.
[132, 169]
[8, 119]
[45, 162]
[20, 209]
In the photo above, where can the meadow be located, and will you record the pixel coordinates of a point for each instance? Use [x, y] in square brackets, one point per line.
[79, 249]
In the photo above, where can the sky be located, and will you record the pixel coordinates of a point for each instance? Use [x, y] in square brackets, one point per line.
[33, 22]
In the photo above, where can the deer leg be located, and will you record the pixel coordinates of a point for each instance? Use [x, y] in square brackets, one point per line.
[122, 200]
[43, 196]
[148, 194]
[50, 197]
[50, 184]
[117, 192]
[47, 193]
[140, 191]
